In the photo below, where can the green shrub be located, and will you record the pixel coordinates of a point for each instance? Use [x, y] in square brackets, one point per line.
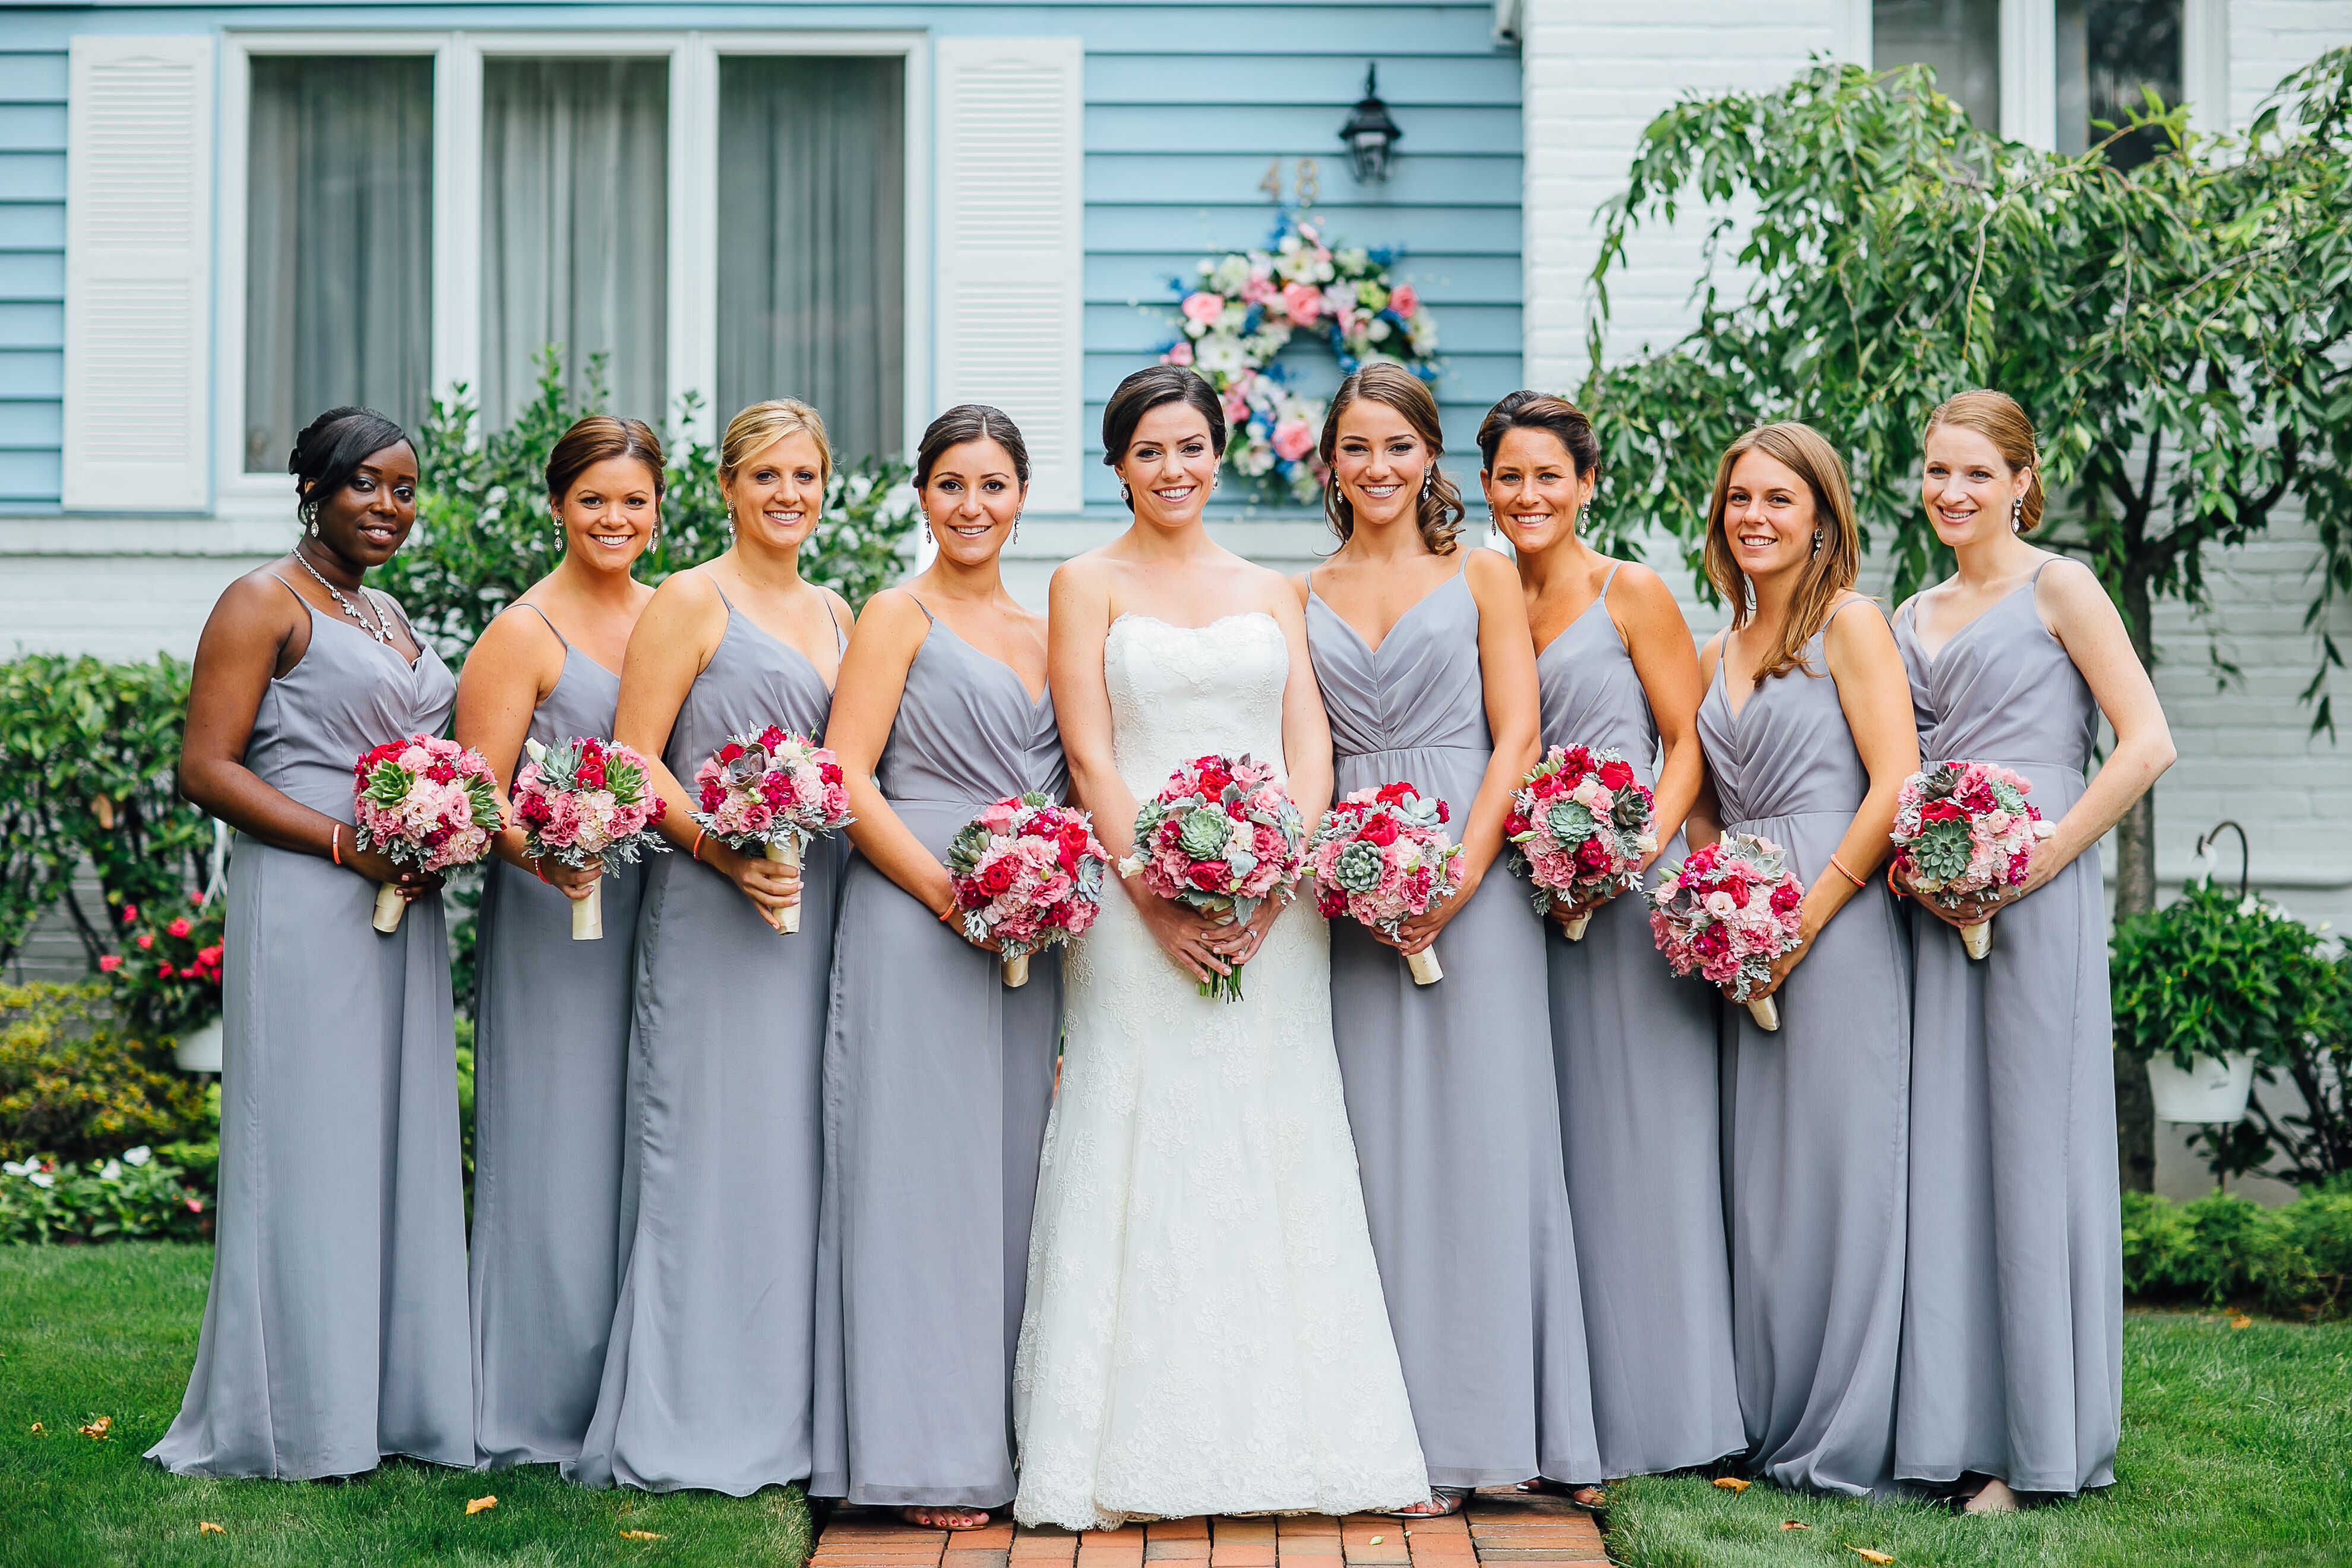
[132, 1197]
[72, 1088]
[2222, 1248]
[167, 976]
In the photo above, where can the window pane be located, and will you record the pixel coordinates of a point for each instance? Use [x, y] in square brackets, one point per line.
[813, 242]
[339, 245]
[575, 198]
[2108, 50]
[1960, 39]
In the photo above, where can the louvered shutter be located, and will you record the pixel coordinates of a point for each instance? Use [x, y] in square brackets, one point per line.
[1012, 245]
[139, 167]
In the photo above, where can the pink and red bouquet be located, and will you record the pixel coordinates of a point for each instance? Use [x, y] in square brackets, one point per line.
[1221, 835]
[1581, 827]
[1378, 857]
[427, 804]
[1027, 874]
[776, 790]
[1729, 912]
[586, 802]
[1965, 831]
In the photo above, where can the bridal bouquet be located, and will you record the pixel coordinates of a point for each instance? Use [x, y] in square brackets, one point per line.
[1727, 911]
[774, 789]
[1378, 856]
[1963, 830]
[1220, 836]
[424, 803]
[1579, 826]
[1027, 874]
[585, 803]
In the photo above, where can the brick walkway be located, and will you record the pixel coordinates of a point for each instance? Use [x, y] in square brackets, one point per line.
[1500, 1527]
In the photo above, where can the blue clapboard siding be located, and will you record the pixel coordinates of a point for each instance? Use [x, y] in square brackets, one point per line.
[32, 276]
[1185, 107]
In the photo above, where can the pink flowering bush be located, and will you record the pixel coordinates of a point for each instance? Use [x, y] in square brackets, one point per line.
[426, 802]
[1727, 911]
[587, 802]
[1965, 830]
[1027, 874]
[773, 788]
[1580, 827]
[1220, 836]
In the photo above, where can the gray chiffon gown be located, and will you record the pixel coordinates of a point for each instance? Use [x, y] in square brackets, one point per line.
[2012, 1335]
[938, 1080]
[707, 1381]
[1450, 1089]
[1816, 1115]
[1634, 1050]
[334, 1333]
[550, 1068]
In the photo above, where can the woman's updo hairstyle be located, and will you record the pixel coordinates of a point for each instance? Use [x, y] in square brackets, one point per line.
[970, 421]
[763, 425]
[598, 438]
[1439, 503]
[1996, 417]
[1541, 411]
[330, 450]
[1146, 390]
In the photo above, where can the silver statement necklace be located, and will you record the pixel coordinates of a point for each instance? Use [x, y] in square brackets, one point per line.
[374, 627]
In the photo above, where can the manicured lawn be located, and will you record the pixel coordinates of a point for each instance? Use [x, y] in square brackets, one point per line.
[2237, 1453]
[110, 1331]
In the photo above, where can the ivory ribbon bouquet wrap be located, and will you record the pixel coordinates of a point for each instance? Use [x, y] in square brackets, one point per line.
[1965, 831]
[776, 790]
[1378, 857]
[586, 802]
[1027, 874]
[1222, 836]
[1580, 827]
[426, 803]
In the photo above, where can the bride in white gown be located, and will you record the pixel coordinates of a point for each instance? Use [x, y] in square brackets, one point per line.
[1204, 1330]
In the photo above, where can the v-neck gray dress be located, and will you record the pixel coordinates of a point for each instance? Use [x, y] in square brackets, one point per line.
[334, 1331]
[707, 1380]
[1634, 1049]
[1450, 1089]
[937, 1082]
[550, 1068]
[1816, 1115]
[2012, 1333]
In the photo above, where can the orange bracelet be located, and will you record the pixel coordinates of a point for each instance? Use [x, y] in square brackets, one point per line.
[335, 843]
[1847, 872]
[696, 853]
[1890, 880]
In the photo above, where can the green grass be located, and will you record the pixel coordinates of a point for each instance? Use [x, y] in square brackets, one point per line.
[2237, 1453]
[111, 1331]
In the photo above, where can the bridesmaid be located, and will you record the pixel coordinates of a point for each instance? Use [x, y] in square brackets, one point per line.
[707, 1379]
[2011, 1370]
[552, 1016]
[1634, 1047]
[1808, 739]
[934, 1094]
[1423, 653]
[335, 1330]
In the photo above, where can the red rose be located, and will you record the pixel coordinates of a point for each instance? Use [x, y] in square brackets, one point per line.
[1513, 825]
[1616, 774]
[590, 773]
[1379, 830]
[209, 954]
[729, 751]
[1549, 786]
[1737, 886]
[1210, 876]
[109, 962]
[1942, 811]
[1396, 794]
[1591, 858]
[1786, 896]
[130, 913]
[144, 940]
[179, 927]
[164, 971]
[997, 875]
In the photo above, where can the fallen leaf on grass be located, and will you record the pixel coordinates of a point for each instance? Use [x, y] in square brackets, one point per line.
[1794, 1524]
[1732, 1483]
[206, 1527]
[39, 1430]
[2242, 1322]
[476, 1505]
[98, 1429]
[1867, 1556]
[639, 1535]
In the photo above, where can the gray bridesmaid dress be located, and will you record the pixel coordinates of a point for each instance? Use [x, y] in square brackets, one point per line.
[1816, 1115]
[2012, 1333]
[1450, 1089]
[334, 1333]
[707, 1380]
[1634, 1049]
[935, 1103]
[550, 1068]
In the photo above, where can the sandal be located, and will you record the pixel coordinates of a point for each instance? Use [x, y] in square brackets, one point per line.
[1592, 1498]
[1443, 1503]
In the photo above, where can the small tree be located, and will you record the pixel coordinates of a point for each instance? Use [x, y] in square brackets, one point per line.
[2178, 330]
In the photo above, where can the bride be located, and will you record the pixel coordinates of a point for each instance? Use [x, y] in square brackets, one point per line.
[1204, 1330]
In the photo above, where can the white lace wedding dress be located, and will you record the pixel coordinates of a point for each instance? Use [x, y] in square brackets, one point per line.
[1204, 1330]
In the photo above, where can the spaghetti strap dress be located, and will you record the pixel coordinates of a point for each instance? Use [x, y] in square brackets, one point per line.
[550, 1068]
[1450, 1088]
[1634, 1050]
[334, 1333]
[936, 1094]
[1815, 1149]
[2012, 1334]
[707, 1381]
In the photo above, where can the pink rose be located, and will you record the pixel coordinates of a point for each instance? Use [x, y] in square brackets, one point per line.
[1405, 299]
[1182, 353]
[1302, 302]
[1204, 307]
[1293, 439]
[836, 801]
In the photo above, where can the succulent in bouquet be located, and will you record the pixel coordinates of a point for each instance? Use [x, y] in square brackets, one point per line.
[1964, 832]
[583, 802]
[427, 804]
[1380, 857]
[773, 791]
[1220, 837]
[1580, 829]
[1027, 874]
[1728, 910]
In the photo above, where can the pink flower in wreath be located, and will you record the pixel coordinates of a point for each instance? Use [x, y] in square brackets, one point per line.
[1293, 439]
[1257, 288]
[1237, 408]
[1405, 299]
[1182, 353]
[1204, 307]
[1302, 302]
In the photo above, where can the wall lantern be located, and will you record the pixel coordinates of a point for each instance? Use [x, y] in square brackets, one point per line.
[1369, 133]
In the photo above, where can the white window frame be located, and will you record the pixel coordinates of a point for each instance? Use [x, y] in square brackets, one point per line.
[456, 339]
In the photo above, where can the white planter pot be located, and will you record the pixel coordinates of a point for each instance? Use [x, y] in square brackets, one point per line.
[199, 1050]
[2215, 1088]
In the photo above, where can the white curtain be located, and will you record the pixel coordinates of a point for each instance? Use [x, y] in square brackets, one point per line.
[575, 174]
[339, 244]
[813, 242]
[1960, 38]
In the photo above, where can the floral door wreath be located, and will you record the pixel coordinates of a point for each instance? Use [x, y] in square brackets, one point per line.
[1246, 308]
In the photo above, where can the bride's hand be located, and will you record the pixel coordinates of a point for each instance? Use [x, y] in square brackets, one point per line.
[1195, 940]
[1242, 940]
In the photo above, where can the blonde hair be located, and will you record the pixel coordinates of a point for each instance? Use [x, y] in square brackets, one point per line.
[762, 425]
[1831, 570]
[1438, 510]
[1996, 417]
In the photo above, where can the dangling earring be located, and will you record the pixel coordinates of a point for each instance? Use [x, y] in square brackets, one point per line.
[1583, 516]
[730, 525]
[1817, 542]
[1428, 477]
[1126, 496]
[1016, 528]
[311, 517]
[926, 528]
[2016, 515]
[559, 531]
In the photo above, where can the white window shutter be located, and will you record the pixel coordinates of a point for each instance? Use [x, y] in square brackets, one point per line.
[1011, 246]
[139, 179]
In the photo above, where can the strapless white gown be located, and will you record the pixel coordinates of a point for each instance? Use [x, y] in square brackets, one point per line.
[1204, 1330]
